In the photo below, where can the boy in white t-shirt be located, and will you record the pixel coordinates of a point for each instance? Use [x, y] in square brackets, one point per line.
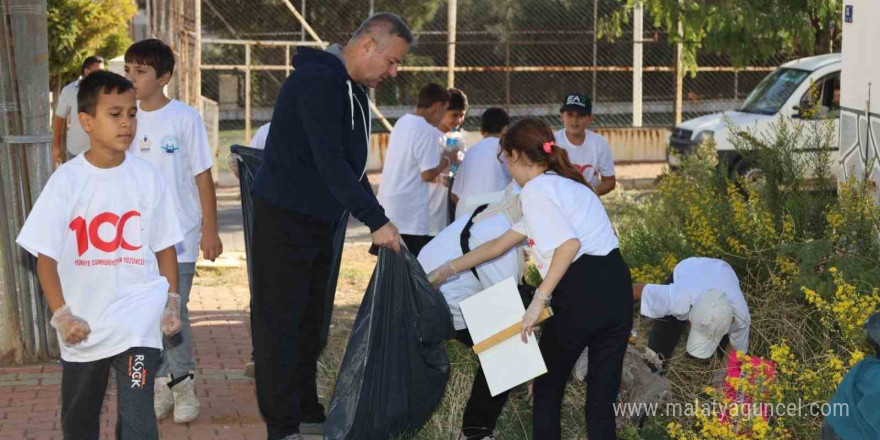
[587, 151]
[438, 191]
[482, 170]
[67, 133]
[103, 231]
[172, 136]
[412, 161]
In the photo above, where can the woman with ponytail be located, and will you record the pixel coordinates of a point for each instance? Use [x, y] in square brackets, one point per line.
[584, 278]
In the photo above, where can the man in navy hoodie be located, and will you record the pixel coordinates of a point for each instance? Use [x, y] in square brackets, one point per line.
[313, 171]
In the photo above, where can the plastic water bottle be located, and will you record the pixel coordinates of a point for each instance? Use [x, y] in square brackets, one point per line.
[454, 142]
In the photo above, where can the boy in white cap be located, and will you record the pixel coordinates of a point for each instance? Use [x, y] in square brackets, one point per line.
[704, 292]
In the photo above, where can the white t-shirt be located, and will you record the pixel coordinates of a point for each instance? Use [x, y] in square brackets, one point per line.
[175, 141]
[692, 278]
[103, 227]
[438, 207]
[480, 172]
[447, 246]
[593, 157]
[77, 139]
[259, 139]
[556, 209]
[412, 149]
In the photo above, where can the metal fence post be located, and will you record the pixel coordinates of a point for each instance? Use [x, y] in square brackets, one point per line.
[450, 62]
[247, 92]
[679, 69]
[638, 32]
[595, 45]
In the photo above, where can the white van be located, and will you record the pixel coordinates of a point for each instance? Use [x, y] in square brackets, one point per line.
[782, 93]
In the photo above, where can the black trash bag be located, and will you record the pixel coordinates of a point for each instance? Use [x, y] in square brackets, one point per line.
[249, 162]
[395, 368]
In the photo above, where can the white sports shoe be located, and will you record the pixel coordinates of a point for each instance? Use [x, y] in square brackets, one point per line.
[163, 399]
[186, 404]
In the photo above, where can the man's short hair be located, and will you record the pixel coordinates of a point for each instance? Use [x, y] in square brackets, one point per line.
[494, 120]
[91, 61]
[457, 100]
[91, 87]
[152, 52]
[390, 23]
[431, 94]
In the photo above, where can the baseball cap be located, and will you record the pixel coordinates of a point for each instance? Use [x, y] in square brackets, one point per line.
[578, 103]
[710, 317]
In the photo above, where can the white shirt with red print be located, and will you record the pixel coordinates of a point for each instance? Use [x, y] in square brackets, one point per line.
[592, 158]
[103, 227]
[557, 209]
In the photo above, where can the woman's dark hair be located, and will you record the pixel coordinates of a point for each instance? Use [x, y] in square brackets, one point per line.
[528, 137]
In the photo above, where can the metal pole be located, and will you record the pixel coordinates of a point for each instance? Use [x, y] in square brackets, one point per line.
[25, 166]
[247, 93]
[287, 60]
[372, 11]
[595, 45]
[507, 73]
[450, 62]
[198, 52]
[736, 85]
[679, 69]
[638, 30]
[302, 31]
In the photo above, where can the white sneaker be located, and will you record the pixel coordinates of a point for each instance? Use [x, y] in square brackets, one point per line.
[186, 404]
[163, 399]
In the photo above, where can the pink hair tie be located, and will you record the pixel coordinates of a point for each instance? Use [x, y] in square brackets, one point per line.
[548, 146]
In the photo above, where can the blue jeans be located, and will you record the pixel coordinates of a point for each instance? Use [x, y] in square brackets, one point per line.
[178, 358]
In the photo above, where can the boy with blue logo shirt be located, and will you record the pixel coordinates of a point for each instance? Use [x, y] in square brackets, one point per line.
[172, 136]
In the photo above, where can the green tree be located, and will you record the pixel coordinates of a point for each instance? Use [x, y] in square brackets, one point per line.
[746, 30]
[80, 28]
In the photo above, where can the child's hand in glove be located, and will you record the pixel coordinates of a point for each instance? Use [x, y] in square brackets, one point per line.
[72, 328]
[439, 275]
[171, 316]
[530, 319]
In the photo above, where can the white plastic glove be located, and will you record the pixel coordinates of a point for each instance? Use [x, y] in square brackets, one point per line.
[171, 316]
[72, 328]
[439, 275]
[530, 319]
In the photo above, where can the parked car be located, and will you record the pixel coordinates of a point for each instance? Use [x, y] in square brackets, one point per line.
[790, 91]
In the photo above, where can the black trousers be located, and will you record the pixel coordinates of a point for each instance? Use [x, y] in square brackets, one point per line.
[415, 243]
[665, 334]
[482, 410]
[592, 307]
[291, 267]
[83, 385]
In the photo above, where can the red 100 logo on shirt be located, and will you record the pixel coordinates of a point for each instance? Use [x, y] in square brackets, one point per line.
[87, 233]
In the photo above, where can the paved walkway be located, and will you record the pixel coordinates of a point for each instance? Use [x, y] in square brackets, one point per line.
[30, 396]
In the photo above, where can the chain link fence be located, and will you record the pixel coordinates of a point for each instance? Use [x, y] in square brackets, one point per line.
[521, 55]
